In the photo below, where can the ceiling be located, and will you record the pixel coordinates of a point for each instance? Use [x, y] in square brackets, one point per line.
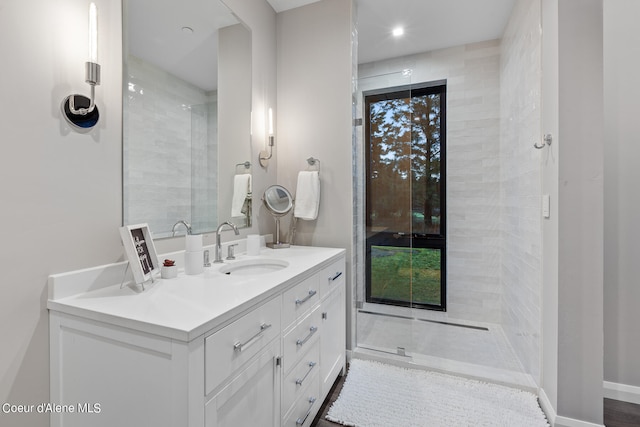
[428, 24]
[154, 33]
[155, 29]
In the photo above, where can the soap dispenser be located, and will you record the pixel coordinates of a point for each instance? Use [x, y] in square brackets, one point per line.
[194, 254]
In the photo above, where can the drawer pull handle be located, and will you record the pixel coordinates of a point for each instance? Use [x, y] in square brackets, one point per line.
[338, 274]
[300, 421]
[312, 330]
[241, 346]
[299, 381]
[307, 298]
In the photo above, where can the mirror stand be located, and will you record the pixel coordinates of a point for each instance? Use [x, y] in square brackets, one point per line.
[278, 244]
[278, 202]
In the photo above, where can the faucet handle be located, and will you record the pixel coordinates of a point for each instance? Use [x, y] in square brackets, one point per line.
[230, 251]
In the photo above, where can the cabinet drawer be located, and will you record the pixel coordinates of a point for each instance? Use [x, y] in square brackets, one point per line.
[301, 376]
[332, 277]
[299, 300]
[299, 339]
[232, 346]
[305, 407]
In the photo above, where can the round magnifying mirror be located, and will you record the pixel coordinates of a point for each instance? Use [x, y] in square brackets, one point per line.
[279, 202]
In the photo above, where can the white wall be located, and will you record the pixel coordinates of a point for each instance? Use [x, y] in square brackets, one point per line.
[61, 191]
[261, 18]
[473, 168]
[573, 174]
[314, 116]
[580, 240]
[234, 117]
[550, 124]
[622, 199]
[520, 183]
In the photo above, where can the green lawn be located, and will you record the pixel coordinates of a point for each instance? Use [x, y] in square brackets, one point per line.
[405, 274]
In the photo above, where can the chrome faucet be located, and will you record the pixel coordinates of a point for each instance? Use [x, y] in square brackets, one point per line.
[185, 223]
[218, 244]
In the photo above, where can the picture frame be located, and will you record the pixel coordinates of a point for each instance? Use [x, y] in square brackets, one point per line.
[141, 252]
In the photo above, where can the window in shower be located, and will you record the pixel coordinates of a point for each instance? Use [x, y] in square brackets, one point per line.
[405, 196]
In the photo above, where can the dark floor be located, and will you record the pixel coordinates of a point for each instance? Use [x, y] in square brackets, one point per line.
[616, 413]
[319, 421]
[621, 414]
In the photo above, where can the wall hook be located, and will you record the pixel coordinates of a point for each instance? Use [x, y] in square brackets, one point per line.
[547, 140]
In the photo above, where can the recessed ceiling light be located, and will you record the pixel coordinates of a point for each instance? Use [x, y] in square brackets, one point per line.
[398, 31]
[187, 30]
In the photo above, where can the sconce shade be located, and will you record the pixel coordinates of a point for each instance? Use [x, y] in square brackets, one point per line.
[80, 112]
[264, 157]
[78, 121]
[93, 33]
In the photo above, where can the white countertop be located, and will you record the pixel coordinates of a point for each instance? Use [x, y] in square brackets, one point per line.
[187, 306]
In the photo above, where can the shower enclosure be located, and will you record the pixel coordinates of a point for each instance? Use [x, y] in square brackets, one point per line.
[403, 289]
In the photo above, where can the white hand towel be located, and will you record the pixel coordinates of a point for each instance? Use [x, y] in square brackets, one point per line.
[241, 188]
[307, 195]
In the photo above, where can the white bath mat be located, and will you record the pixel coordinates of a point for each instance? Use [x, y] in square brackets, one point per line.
[380, 395]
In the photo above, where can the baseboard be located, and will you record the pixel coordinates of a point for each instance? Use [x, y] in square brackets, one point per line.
[572, 422]
[622, 392]
[558, 421]
[547, 407]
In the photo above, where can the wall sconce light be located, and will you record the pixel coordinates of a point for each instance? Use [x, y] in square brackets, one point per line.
[264, 159]
[79, 111]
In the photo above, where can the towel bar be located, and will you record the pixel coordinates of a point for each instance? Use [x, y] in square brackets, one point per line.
[247, 166]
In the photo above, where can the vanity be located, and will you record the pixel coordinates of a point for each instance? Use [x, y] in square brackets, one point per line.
[257, 341]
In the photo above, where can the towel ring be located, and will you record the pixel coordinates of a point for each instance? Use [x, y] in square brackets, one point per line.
[314, 162]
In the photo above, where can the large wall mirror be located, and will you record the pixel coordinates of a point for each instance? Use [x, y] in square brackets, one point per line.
[186, 113]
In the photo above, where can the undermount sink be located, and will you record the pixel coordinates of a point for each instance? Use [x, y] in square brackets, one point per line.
[251, 267]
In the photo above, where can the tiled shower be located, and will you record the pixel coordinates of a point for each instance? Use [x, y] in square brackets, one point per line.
[493, 199]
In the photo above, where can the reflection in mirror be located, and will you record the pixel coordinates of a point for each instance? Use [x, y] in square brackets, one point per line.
[278, 202]
[277, 199]
[176, 150]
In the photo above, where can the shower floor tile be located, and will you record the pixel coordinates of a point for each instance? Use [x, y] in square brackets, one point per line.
[482, 351]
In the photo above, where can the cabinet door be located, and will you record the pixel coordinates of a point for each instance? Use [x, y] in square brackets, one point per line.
[332, 338]
[233, 346]
[252, 398]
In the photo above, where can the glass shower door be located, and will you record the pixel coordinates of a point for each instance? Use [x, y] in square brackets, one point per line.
[402, 139]
[385, 281]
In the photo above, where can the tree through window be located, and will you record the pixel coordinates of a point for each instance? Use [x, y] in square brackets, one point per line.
[405, 134]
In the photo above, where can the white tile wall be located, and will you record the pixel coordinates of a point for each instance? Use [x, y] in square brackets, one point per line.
[520, 180]
[167, 123]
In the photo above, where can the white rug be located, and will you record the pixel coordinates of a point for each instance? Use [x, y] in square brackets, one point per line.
[381, 395]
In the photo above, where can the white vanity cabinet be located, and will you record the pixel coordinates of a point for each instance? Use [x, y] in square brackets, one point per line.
[251, 398]
[333, 313]
[249, 346]
[105, 376]
[199, 351]
[313, 343]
